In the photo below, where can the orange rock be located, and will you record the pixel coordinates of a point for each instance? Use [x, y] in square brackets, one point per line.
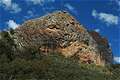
[60, 32]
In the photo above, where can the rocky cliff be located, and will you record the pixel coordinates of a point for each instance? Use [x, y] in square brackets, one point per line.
[60, 32]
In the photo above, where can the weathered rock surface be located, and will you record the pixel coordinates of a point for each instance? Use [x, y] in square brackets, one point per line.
[103, 47]
[60, 32]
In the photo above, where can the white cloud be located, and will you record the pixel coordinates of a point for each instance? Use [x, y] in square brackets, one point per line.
[15, 8]
[30, 13]
[71, 8]
[94, 13]
[109, 19]
[9, 5]
[119, 3]
[117, 59]
[97, 30]
[12, 24]
[35, 2]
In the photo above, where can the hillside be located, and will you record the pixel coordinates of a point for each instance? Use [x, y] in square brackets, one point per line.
[55, 47]
[60, 32]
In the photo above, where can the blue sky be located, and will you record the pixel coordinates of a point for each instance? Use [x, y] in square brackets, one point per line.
[99, 15]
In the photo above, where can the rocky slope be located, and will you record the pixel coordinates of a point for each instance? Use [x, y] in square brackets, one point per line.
[60, 32]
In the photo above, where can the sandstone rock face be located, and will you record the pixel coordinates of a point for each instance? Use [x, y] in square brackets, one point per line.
[103, 47]
[60, 32]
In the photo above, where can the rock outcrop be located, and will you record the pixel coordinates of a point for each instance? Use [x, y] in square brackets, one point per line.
[103, 47]
[60, 32]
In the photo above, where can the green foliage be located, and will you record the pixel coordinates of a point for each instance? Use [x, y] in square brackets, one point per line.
[52, 67]
[6, 45]
[30, 64]
[115, 69]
